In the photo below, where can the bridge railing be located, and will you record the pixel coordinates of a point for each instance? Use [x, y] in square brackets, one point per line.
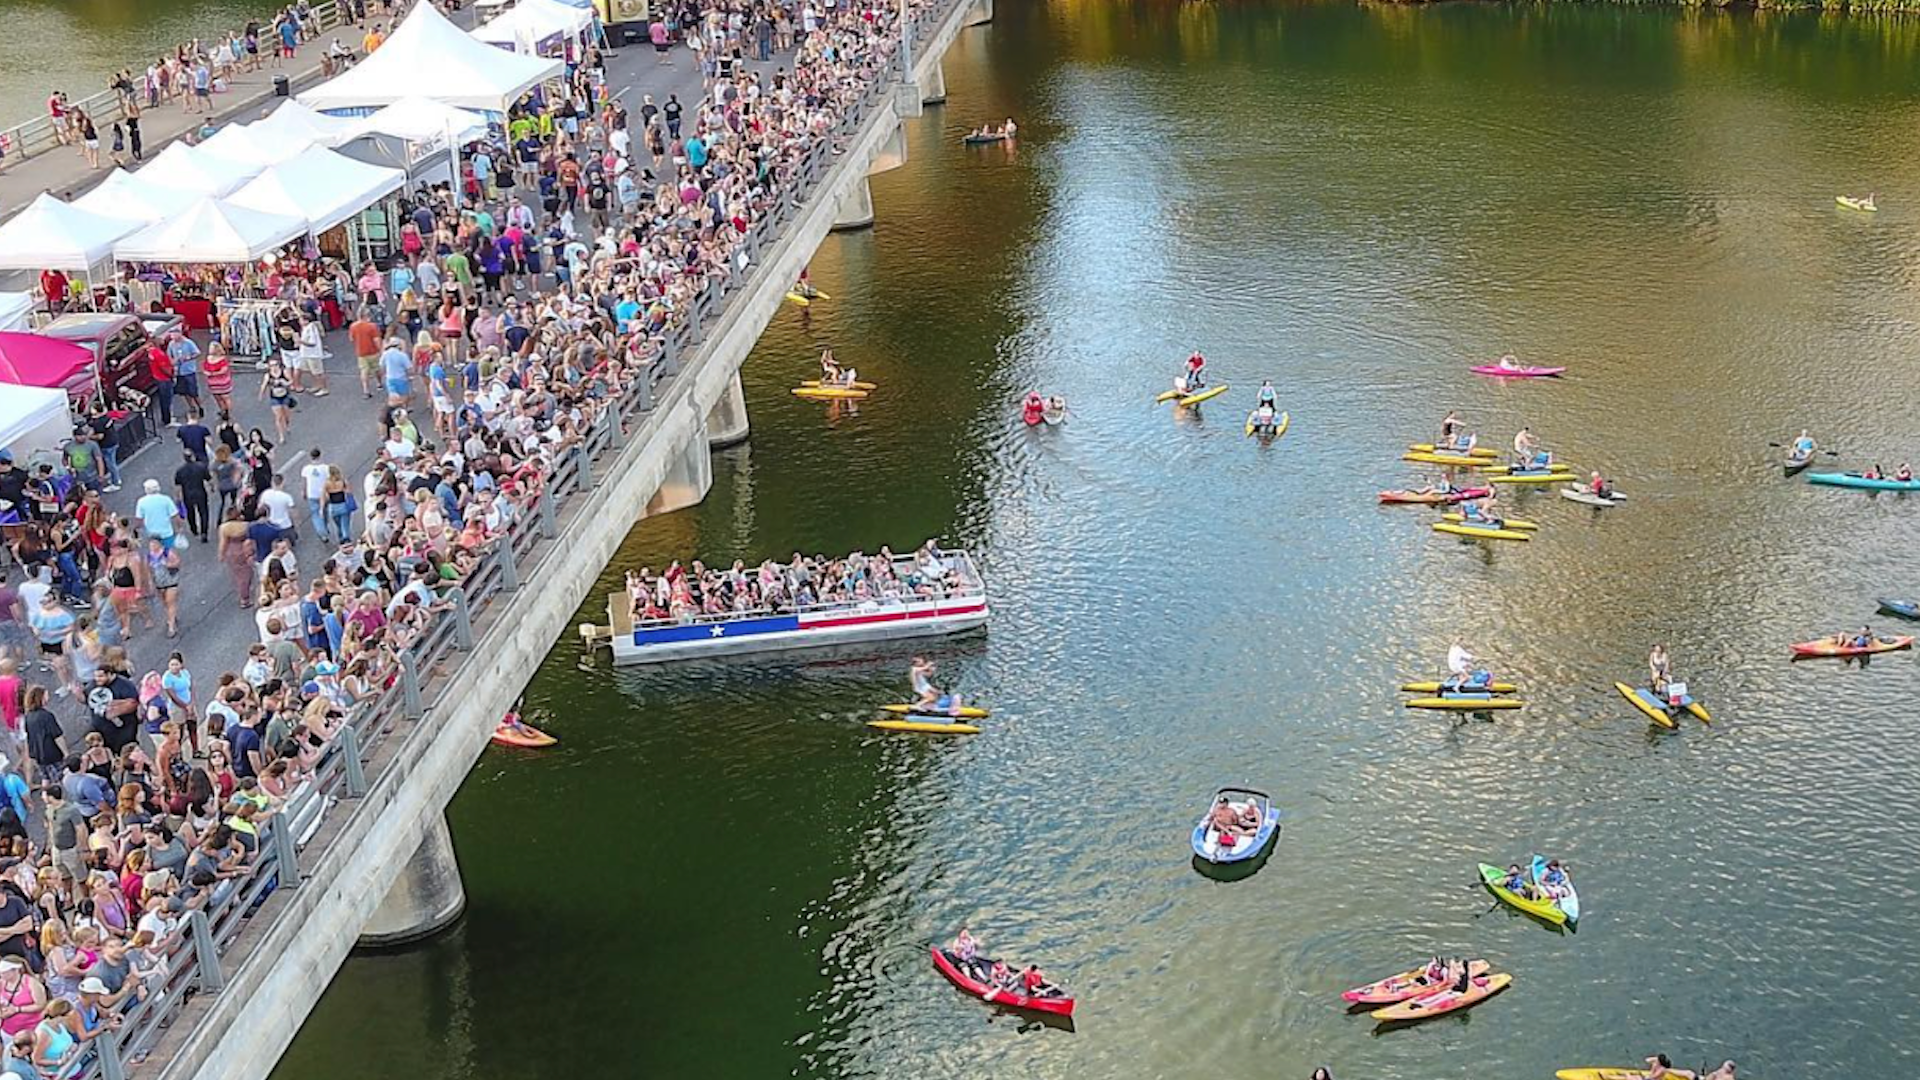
[208, 945]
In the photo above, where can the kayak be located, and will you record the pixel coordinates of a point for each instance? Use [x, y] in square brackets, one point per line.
[1052, 418]
[966, 712]
[1523, 372]
[827, 393]
[970, 976]
[1855, 480]
[1434, 687]
[1471, 702]
[1568, 902]
[804, 299]
[1558, 474]
[1588, 497]
[1458, 461]
[976, 140]
[857, 385]
[1208, 394]
[1827, 647]
[1510, 523]
[1601, 1074]
[1488, 534]
[799, 299]
[1279, 427]
[512, 732]
[1558, 466]
[1442, 1002]
[1430, 448]
[1657, 710]
[1435, 498]
[1792, 465]
[1408, 984]
[1906, 609]
[1493, 876]
[924, 727]
[1853, 203]
[1032, 419]
[1215, 847]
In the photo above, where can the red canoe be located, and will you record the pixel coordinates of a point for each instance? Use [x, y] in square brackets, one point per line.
[1407, 984]
[1430, 498]
[1827, 647]
[949, 966]
[1517, 372]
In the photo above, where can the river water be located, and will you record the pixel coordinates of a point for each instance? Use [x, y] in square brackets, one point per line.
[721, 872]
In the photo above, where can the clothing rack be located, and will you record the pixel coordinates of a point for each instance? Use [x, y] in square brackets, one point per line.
[248, 326]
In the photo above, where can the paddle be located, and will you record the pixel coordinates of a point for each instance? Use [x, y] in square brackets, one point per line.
[1783, 446]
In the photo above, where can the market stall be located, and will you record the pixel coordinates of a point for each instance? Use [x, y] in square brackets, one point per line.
[428, 56]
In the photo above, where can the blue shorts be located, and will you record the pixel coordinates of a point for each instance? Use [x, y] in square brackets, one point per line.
[399, 387]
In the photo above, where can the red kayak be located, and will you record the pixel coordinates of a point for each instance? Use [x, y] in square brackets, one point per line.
[1032, 418]
[1828, 647]
[1407, 984]
[1516, 372]
[1434, 497]
[962, 977]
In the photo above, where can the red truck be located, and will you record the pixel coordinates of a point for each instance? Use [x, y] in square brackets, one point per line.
[119, 346]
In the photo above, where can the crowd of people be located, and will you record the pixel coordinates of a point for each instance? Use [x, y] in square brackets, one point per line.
[512, 318]
[683, 593]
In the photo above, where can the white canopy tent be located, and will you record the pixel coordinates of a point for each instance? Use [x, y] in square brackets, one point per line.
[420, 120]
[293, 120]
[15, 307]
[125, 195]
[34, 418]
[319, 186]
[192, 169]
[429, 56]
[211, 231]
[533, 21]
[245, 144]
[52, 235]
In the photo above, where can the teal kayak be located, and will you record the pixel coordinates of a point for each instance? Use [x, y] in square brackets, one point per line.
[1855, 480]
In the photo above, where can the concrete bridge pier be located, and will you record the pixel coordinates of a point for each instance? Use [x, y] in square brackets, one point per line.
[892, 153]
[425, 899]
[933, 89]
[980, 12]
[690, 475]
[727, 423]
[856, 208]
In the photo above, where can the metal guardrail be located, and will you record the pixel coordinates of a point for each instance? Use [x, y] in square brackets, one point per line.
[198, 961]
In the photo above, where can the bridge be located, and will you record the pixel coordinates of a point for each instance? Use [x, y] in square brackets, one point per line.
[362, 855]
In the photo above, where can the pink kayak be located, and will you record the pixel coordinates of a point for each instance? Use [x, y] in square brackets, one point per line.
[1516, 372]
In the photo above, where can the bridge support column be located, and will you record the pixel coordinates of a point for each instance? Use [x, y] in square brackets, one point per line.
[893, 153]
[856, 208]
[687, 479]
[906, 101]
[425, 899]
[933, 90]
[980, 13]
[727, 423]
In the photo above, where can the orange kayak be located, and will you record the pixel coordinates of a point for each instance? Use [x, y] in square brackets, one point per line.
[1407, 984]
[1829, 647]
[512, 732]
[1445, 1001]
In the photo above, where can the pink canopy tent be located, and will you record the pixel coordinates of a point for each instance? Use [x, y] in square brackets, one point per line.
[37, 360]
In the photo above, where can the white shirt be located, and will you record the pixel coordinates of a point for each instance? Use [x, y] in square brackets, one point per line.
[315, 474]
[1459, 660]
[279, 506]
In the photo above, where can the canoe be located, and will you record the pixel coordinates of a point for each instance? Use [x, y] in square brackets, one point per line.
[1522, 372]
[1279, 427]
[962, 977]
[1457, 461]
[1408, 984]
[1540, 909]
[1555, 475]
[1591, 1073]
[506, 734]
[965, 712]
[1855, 480]
[1587, 497]
[1207, 840]
[1658, 711]
[1791, 465]
[979, 140]
[1431, 448]
[1510, 523]
[1826, 647]
[1032, 419]
[924, 727]
[1052, 417]
[1852, 203]
[1484, 534]
[1906, 609]
[1433, 687]
[1465, 702]
[857, 385]
[1208, 394]
[1434, 498]
[827, 393]
[1442, 1002]
[1570, 902]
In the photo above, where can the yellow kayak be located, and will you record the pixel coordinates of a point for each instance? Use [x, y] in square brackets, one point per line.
[1279, 428]
[924, 727]
[798, 299]
[857, 385]
[1557, 476]
[1601, 1074]
[1493, 876]
[1208, 394]
[967, 712]
[1644, 700]
[1458, 461]
[1558, 466]
[827, 392]
[1430, 448]
[803, 299]
[1489, 534]
[1434, 687]
[1465, 704]
[1511, 523]
[1852, 203]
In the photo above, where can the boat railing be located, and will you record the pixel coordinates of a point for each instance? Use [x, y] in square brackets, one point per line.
[967, 594]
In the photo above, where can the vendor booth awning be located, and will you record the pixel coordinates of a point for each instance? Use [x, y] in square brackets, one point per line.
[37, 360]
[295, 121]
[34, 419]
[242, 143]
[192, 169]
[125, 195]
[211, 231]
[320, 186]
[419, 120]
[52, 235]
[429, 56]
[532, 22]
[15, 307]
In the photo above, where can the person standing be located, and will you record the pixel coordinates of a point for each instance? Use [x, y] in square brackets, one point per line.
[313, 476]
[186, 368]
[218, 368]
[52, 623]
[190, 483]
[107, 434]
[157, 513]
[46, 747]
[236, 554]
[163, 569]
[311, 357]
[365, 335]
[278, 507]
[160, 370]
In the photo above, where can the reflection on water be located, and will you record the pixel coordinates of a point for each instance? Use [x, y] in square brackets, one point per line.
[720, 871]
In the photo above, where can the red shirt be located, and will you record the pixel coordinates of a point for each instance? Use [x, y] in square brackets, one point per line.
[53, 284]
[1031, 980]
[159, 364]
